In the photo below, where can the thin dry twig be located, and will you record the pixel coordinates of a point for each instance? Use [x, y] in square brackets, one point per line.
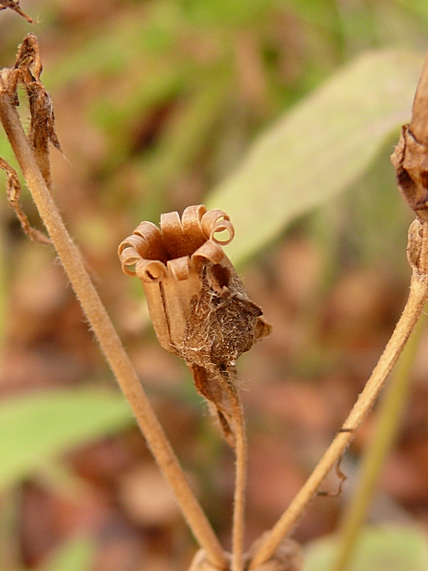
[229, 382]
[410, 160]
[14, 5]
[100, 322]
[28, 67]
[415, 304]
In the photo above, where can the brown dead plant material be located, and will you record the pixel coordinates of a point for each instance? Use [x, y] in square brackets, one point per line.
[27, 69]
[33, 158]
[410, 160]
[14, 5]
[201, 312]
[198, 305]
[13, 191]
[342, 479]
[410, 157]
[26, 72]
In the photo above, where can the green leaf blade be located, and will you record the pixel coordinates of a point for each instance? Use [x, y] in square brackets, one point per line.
[381, 548]
[317, 149]
[36, 427]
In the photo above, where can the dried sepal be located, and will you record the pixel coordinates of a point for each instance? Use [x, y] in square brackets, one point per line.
[14, 5]
[410, 157]
[199, 307]
[13, 190]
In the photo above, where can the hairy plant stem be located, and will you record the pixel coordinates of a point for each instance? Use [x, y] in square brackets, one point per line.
[107, 337]
[387, 425]
[417, 298]
[229, 381]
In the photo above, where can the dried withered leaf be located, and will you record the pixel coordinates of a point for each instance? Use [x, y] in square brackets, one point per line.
[13, 188]
[14, 5]
[410, 157]
[223, 323]
[42, 125]
[28, 58]
[26, 71]
[199, 307]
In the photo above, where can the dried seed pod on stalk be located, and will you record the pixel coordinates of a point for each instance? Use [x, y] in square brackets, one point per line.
[410, 157]
[199, 307]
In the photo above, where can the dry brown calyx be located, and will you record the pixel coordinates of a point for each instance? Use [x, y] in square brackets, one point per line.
[199, 307]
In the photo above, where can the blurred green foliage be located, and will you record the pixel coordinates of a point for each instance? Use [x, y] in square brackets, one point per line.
[36, 427]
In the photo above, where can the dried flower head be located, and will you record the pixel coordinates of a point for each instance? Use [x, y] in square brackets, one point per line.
[410, 157]
[199, 307]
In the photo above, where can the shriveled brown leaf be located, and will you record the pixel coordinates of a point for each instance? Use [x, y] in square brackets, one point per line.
[28, 66]
[26, 71]
[13, 188]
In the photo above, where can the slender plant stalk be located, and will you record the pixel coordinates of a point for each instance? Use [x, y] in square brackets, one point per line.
[3, 288]
[417, 298]
[107, 337]
[10, 552]
[240, 470]
[378, 449]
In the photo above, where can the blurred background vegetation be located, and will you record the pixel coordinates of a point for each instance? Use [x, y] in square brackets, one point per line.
[252, 106]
